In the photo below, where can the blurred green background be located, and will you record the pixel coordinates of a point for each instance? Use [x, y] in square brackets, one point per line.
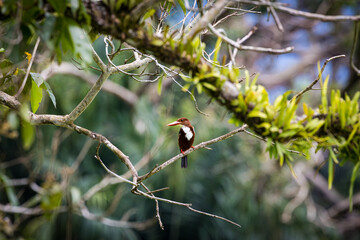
[236, 179]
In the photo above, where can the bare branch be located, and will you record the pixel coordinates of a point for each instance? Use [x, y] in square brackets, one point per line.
[294, 12]
[98, 60]
[85, 102]
[106, 72]
[157, 206]
[200, 145]
[206, 19]
[24, 210]
[97, 156]
[9, 101]
[139, 192]
[248, 48]
[108, 86]
[275, 16]
[84, 212]
[214, 216]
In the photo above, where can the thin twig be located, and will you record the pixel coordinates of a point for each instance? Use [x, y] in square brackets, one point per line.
[158, 190]
[249, 48]
[275, 16]
[157, 206]
[84, 212]
[206, 19]
[192, 96]
[240, 41]
[214, 216]
[28, 69]
[97, 156]
[294, 12]
[308, 88]
[139, 192]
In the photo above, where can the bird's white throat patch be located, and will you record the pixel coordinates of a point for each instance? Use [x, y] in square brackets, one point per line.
[187, 131]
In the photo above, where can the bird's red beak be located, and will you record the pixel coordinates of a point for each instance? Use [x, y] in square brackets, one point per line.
[174, 123]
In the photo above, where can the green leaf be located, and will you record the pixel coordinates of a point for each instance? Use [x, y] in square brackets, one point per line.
[290, 112]
[291, 168]
[5, 66]
[217, 49]
[81, 43]
[182, 5]
[314, 125]
[265, 125]
[52, 199]
[36, 96]
[333, 156]
[159, 88]
[11, 195]
[342, 113]
[352, 182]
[233, 120]
[37, 78]
[288, 133]
[247, 79]
[280, 151]
[27, 134]
[149, 14]
[330, 172]
[168, 6]
[199, 88]
[59, 6]
[209, 86]
[258, 114]
[254, 80]
[47, 87]
[324, 101]
[352, 134]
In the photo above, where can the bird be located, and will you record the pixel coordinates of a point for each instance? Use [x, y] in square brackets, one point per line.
[186, 137]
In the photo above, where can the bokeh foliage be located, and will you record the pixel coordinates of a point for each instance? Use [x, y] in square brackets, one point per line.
[235, 179]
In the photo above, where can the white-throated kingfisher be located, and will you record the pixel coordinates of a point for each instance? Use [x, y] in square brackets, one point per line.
[186, 137]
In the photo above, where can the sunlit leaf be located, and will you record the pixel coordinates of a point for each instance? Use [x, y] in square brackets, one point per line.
[324, 101]
[27, 134]
[36, 96]
[333, 156]
[149, 13]
[217, 49]
[258, 114]
[209, 86]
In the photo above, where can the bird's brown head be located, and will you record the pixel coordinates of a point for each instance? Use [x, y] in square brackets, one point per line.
[181, 121]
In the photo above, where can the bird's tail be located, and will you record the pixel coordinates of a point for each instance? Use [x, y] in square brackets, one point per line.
[184, 162]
